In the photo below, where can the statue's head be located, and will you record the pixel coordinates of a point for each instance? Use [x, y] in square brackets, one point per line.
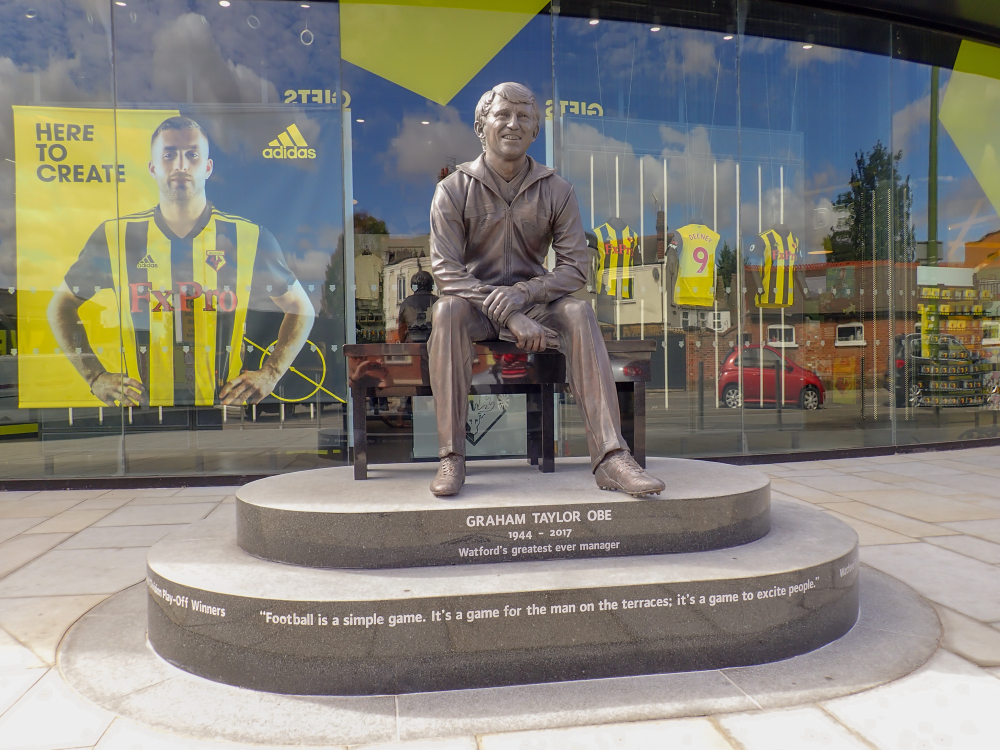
[507, 120]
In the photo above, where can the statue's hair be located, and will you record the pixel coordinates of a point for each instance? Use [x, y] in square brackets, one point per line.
[515, 93]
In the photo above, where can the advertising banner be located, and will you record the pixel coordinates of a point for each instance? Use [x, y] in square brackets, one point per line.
[136, 283]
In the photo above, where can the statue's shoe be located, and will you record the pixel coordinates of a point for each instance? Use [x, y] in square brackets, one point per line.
[450, 476]
[619, 471]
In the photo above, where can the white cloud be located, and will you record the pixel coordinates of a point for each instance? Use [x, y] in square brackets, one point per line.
[798, 57]
[420, 151]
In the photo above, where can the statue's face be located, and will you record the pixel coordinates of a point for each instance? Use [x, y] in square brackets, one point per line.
[508, 129]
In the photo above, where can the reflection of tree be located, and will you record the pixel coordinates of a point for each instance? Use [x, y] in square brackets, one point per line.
[725, 261]
[876, 186]
[365, 225]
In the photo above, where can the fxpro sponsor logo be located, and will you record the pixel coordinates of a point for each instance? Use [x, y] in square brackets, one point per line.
[289, 145]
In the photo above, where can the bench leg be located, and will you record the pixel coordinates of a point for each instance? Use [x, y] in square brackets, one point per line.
[626, 413]
[533, 423]
[639, 421]
[548, 429]
[359, 405]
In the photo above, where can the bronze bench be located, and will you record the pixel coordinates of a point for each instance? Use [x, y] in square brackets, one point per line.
[387, 370]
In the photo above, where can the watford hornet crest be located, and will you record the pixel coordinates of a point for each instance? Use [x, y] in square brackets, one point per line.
[484, 413]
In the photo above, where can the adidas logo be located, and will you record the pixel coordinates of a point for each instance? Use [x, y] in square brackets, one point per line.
[147, 262]
[289, 145]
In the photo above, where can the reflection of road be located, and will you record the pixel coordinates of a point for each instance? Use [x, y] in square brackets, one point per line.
[678, 431]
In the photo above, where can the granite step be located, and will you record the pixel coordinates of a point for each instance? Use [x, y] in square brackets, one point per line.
[220, 613]
[507, 511]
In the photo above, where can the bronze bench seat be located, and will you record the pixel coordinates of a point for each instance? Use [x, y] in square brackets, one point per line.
[387, 370]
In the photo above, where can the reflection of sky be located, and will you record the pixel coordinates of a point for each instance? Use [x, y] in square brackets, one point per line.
[671, 94]
[395, 165]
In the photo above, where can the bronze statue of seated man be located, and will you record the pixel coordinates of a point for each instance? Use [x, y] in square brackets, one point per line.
[492, 223]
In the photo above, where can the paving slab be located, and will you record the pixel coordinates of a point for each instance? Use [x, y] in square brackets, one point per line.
[988, 552]
[948, 702]
[39, 622]
[924, 506]
[686, 733]
[969, 638]
[11, 527]
[887, 519]
[117, 537]
[70, 521]
[989, 530]
[124, 735]
[869, 533]
[15, 655]
[149, 515]
[790, 729]
[961, 583]
[75, 572]
[22, 549]
[50, 715]
[34, 508]
[16, 682]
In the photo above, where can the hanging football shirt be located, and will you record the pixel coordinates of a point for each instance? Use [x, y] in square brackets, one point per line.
[696, 274]
[616, 245]
[779, 247]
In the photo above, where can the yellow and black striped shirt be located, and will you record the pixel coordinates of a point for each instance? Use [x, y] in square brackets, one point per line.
[616, 249]
[183, 300]
[780, 249]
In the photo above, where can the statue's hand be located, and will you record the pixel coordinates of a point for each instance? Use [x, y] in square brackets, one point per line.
[530, 334]
[504, 301]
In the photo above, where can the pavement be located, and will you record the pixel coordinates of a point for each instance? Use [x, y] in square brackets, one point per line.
[930, 520]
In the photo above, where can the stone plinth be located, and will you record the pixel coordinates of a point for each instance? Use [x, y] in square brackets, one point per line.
[508, 511]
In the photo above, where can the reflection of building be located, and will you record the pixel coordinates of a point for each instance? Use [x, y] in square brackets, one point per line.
[375, 291]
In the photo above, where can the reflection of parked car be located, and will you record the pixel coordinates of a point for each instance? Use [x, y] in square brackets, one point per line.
[952, 378]
[801, 386]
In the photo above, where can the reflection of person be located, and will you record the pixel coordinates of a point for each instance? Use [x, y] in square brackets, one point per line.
[414, 312]
[186, 274]
[492, 223]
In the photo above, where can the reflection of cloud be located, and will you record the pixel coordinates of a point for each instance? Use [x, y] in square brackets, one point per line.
[188, 65]
[420, 151]
[699, 58]
[309, 267]
[911, 118]
[690, 175]
[797, 57]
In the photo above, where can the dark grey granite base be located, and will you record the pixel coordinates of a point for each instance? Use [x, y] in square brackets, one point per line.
[105, 657]
[507, 511]
[230, 617]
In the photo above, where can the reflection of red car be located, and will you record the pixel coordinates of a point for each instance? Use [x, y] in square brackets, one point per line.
[802, 387]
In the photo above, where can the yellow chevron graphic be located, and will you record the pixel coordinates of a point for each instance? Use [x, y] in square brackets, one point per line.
[291, 137]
